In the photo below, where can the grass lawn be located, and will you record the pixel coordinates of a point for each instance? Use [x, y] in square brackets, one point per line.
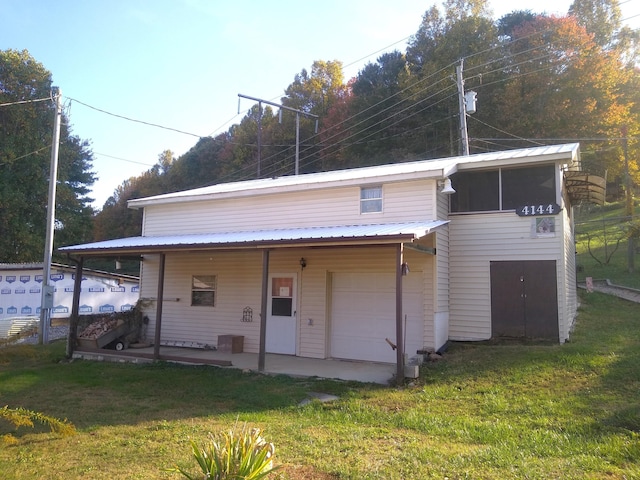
[601, 245]
[484, 412]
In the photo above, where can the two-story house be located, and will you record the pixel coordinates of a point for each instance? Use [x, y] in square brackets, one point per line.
[366, 263]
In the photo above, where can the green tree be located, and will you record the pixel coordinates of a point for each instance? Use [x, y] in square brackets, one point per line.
[601, 18]
[26, 125]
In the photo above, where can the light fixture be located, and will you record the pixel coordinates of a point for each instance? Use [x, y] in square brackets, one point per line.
[445, 184]
[303, 262]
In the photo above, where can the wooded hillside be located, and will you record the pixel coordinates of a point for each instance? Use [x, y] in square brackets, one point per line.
[539, 80]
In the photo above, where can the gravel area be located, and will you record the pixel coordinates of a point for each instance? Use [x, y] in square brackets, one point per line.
[55, 333]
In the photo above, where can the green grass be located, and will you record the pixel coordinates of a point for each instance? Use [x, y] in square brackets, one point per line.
[603, 224]
[485, 412]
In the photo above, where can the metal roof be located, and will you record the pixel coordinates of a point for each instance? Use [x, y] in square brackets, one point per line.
[334, 235]
[437, 169]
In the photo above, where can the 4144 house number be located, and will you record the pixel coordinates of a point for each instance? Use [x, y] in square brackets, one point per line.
[540, 209]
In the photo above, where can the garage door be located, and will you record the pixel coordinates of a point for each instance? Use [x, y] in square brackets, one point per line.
[363, 315]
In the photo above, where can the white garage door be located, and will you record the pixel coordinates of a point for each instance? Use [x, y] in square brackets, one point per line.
[363, 315]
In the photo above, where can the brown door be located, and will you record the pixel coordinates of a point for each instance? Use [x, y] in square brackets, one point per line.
[524, 300]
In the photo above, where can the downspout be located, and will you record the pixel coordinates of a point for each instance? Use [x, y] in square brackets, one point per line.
[399, 329]
[75, 308]
[159, 301]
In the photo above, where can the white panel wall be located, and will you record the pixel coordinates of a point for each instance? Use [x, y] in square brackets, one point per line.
[476, 240]
[406, 201]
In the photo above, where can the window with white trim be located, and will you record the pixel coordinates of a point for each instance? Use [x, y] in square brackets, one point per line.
[203, 290]
[371, 199]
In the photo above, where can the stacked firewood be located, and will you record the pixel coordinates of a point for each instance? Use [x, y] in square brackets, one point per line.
[99, 328]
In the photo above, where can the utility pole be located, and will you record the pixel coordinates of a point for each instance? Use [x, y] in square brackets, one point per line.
[628, 203]
[282, 107]
[46, 304]
[466, 105]
[464, 136]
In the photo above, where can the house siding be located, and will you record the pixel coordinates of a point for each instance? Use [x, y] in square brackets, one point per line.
[239, 285]
[475, 241]
[570, 285]
[405, 201]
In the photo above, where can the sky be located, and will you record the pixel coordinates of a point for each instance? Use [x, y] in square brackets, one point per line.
[181, 64]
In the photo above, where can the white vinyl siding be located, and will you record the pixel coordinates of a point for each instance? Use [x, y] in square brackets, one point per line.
[569, 284]
[406, 201]
[239, 286]
[476, 240]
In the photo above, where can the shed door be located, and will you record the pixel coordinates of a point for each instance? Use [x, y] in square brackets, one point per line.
[363, 315]
[524, 300]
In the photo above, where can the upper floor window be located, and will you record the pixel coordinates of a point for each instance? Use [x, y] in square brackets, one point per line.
[503, 189]
[371, 199]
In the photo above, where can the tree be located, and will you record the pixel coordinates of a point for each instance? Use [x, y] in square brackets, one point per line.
[601, 18]
[25, 143]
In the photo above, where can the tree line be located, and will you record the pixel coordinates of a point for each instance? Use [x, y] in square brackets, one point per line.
[539, 79]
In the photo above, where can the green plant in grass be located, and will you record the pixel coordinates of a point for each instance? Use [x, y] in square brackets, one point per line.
[243, 455]
[21, 417]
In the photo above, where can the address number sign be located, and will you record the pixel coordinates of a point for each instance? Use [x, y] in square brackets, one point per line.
[540, 209]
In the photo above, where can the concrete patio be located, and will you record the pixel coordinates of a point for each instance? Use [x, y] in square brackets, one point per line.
[365, 372]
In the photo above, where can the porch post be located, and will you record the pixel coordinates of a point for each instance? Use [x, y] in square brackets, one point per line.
[159, 297]
[399, 334]
[263, 309]
[75, 309]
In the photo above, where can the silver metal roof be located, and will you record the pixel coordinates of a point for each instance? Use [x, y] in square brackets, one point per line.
[343, 234]
[437, 169]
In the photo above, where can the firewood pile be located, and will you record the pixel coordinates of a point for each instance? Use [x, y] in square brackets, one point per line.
[97, 329]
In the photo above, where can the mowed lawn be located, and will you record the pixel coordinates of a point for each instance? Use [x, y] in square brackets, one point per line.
[486, 411]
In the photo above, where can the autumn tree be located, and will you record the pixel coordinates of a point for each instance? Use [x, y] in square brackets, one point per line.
[26, 125]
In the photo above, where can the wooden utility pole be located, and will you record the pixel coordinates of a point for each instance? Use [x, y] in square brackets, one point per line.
[628, 203]
[464, 137]
[282, 107]
[46, 304]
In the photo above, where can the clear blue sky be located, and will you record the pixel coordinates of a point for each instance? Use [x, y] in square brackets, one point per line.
[182, 63]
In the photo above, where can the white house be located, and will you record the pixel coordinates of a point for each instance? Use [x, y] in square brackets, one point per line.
[367, 263]
[21, 292]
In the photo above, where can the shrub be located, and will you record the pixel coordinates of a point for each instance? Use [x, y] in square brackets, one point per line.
[21, 417]
[243, 455]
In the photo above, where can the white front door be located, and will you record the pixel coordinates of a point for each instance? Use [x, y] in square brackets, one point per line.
[282, 314]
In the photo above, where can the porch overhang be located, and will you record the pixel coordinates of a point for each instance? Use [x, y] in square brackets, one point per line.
[373, 234]
[584, 187]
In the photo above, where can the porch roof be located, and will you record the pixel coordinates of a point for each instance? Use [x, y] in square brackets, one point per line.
[311, 236]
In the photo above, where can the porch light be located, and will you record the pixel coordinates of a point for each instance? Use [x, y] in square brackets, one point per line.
[446, 187]
[303, 263]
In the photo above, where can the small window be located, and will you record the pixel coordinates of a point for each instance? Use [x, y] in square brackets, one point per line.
[371, 199]
[203, 290]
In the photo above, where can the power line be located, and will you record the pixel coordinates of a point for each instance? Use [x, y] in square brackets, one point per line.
[134, 120]
[22, 102]
[123, 159]
[29, 154]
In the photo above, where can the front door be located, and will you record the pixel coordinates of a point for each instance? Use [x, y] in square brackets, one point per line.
[282, 314]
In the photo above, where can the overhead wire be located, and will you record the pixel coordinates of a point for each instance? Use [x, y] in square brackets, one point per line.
[360, 113]
[28, 154]
[22, 102]
[133, 119]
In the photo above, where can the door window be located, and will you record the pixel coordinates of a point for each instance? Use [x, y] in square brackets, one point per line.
[282, 296]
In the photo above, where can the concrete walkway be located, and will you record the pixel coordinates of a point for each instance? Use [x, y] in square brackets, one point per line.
[605, 286]
[365, 372]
